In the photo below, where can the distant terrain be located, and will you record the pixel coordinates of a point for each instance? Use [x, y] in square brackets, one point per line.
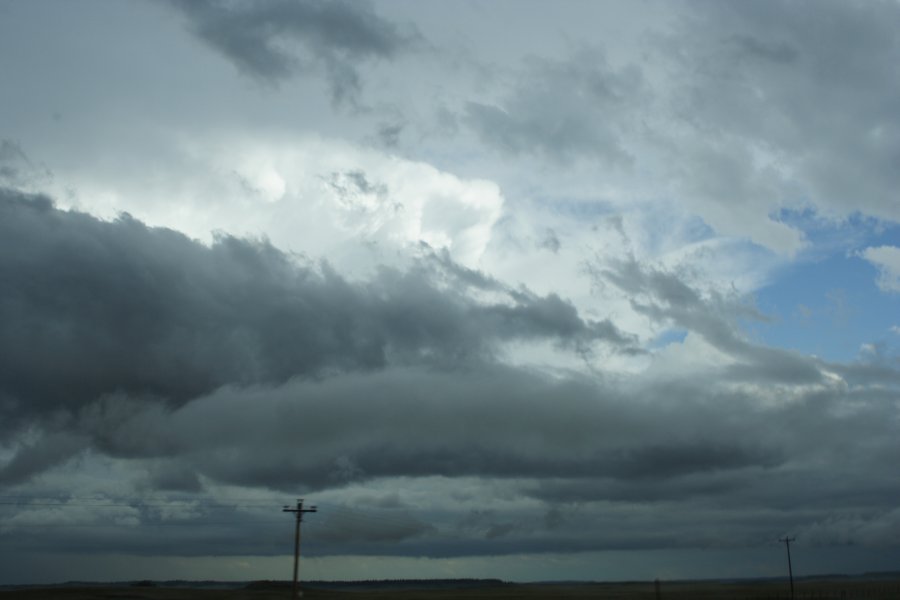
[829, 588]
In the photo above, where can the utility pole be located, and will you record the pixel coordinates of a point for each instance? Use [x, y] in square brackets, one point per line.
[787, 544]
[299, 515]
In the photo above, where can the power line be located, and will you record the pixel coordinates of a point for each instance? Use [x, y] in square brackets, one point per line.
[160, 497]
[196, 523]
[338, 514]
[90, 502]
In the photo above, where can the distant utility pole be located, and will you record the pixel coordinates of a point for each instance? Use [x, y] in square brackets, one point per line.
[787, 543]
[299, 514]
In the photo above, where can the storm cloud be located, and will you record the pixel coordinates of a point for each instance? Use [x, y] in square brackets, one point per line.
[305, 380]
[119, 307]
[508, 289]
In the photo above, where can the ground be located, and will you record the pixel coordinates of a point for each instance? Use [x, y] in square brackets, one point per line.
[837, 589]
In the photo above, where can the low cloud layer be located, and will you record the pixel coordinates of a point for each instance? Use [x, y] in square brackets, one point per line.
[237, 365]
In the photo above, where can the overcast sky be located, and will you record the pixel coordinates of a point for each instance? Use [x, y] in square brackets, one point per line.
[517, 289]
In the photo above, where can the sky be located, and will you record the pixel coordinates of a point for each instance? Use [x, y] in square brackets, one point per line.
[594, 290]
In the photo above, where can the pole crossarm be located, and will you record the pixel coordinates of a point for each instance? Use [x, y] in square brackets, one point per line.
[299, 510]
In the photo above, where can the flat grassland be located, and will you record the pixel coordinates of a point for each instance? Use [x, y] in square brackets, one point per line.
[805, 590]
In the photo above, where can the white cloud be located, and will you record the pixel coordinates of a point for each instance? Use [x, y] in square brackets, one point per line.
[887, 260]
[321, 197]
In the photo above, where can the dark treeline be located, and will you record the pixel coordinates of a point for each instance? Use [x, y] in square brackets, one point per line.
[371, 584]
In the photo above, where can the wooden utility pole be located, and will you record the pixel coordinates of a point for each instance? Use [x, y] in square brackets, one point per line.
[787, 543]
[295, 593]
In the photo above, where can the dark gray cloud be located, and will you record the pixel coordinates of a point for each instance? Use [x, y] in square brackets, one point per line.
[660, 464]
[698, 456]
[341, 526]
[273, 40]
[666, 439]
[38, 456]
[122, 308]
[563, 110]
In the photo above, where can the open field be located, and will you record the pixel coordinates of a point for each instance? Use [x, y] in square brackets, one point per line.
[805, 590]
